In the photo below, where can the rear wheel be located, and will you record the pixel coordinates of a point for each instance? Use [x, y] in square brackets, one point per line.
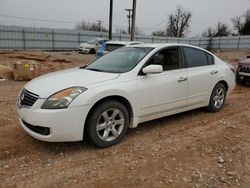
[217, 98]
[107, 124]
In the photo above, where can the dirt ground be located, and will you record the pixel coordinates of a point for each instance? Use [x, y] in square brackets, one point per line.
[191, 149]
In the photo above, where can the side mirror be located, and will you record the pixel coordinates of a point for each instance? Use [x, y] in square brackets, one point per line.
[152, 69]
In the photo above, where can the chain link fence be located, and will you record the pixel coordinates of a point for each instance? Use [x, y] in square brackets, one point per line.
[27, 38]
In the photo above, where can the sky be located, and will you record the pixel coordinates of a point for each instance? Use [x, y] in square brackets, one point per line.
[151, 14]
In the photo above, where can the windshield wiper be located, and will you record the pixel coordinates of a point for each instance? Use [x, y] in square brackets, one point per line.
[93, 69]
[83, 67]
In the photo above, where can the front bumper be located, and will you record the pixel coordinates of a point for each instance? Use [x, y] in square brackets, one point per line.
[65, 125]
[83, 50]
[243, 76]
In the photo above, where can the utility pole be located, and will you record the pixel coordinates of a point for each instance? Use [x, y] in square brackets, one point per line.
[110, 19]
[129, 16]
[100, 25]
[133, 21]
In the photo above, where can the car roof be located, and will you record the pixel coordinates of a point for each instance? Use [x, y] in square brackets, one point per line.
[101, 38]
[125, 43]
[162, 45]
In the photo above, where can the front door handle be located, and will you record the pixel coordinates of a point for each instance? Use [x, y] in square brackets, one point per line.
[182, 79]
[214, 72]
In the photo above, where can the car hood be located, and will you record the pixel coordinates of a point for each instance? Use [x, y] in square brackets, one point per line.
[86, 45]
[245, 61]
[48, 84]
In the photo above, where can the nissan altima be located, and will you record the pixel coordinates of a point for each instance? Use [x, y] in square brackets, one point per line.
[98, 102]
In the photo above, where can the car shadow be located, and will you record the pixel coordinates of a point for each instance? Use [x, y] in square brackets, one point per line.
[71, 147]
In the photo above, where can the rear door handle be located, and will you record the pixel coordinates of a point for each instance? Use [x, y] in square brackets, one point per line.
[182, 79]
[214, 72]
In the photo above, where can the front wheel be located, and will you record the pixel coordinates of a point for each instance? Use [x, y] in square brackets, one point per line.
[107, 124]
[217, 98]
[92, 51]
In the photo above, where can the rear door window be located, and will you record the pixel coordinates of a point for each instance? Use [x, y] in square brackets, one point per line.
[196, 58]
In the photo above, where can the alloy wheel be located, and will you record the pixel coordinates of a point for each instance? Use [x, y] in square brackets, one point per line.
[110, 124]
[219, 97]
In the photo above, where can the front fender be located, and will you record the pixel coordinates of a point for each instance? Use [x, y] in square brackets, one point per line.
[126, 90]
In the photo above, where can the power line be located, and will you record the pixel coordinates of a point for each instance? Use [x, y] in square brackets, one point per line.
[69, 22]
[148, 28]
[37, 19]
[57, 21]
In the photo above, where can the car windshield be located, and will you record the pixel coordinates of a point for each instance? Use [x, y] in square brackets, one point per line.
[93, 41]
[119, 61]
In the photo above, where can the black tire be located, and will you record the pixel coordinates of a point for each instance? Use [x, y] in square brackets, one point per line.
[217, 100]
[104, 117]
[92, 51]
[237, 77]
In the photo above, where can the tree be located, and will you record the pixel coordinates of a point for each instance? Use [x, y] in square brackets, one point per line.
[178, 23]
[238, 24]
[220, 30]
[159, 33]
[138, 31]
[90, 27]
[246, 27]
[208, 33]
[242, 23]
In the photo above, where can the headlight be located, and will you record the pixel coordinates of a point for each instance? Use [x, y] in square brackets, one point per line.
[63, 98]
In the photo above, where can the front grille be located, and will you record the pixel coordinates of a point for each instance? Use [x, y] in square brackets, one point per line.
[244, 68]
[27, 98]
[37, 129]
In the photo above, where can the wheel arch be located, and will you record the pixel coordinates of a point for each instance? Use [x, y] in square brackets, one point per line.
[118, 98]
[224, 83]
[92, 51]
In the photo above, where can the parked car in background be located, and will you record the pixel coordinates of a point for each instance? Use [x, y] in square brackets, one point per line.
[91, 46]
[131, 85]
[243, 71]
[113, 45]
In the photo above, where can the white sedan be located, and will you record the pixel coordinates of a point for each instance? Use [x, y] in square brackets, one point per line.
[91, 46]
[128, 86]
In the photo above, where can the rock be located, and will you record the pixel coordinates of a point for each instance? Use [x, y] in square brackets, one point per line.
[170, 181]
[185, 179]
[47, 56]
[221, 159]
[231, 173]
[205, 121]
[209, 150]
[222, 179]
[6, 73]
[141, 179]
[231, 126]
[235, 149]
[6, 166]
